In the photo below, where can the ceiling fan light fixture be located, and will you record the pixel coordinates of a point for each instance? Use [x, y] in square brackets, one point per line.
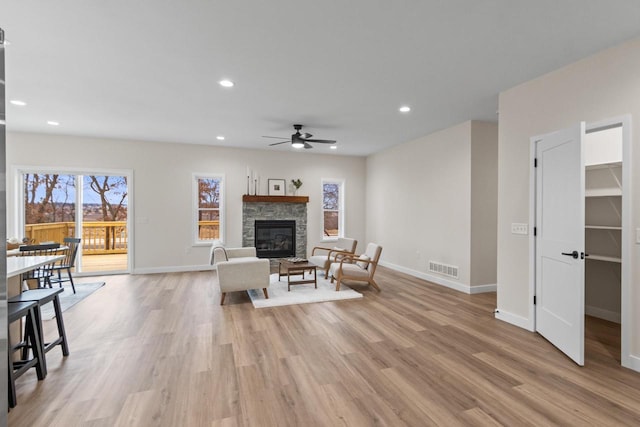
[297, 144]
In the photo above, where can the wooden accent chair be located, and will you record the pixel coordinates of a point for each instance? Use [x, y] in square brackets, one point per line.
[239, 270]
[357, 268]
[323, 256]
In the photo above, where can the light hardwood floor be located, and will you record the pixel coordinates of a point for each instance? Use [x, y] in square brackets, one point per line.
[158, 350]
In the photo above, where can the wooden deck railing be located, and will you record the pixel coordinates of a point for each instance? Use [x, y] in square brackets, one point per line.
[102, 237]
[98, 237]
[209, 230]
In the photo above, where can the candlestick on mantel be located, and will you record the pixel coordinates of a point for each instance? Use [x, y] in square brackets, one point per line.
[255, 187]
[248, 184]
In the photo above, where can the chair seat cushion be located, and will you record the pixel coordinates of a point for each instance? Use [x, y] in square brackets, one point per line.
[349, 270]
[319, 260]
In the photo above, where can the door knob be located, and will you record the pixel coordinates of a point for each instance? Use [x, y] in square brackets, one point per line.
[573, 254]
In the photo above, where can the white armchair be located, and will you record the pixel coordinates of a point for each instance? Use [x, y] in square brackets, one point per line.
[239, 270]
[357, 268]
[323, 256]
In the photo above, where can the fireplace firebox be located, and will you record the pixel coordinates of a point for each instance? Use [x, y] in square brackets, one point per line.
[275, 239]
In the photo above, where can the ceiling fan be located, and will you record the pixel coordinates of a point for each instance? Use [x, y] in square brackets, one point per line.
[300, 140]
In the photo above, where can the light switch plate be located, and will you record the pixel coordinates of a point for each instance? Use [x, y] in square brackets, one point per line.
[518, 228]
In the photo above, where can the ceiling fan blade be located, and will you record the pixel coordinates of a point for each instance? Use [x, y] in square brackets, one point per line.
[278, 143]
[307, 145]
[276, 137]
[306, 135]
[321, 141]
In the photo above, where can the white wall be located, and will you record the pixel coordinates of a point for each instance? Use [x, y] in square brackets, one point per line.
[421, 208]
[602, 86]
[484, 202]
[418, 199]
[163, 187]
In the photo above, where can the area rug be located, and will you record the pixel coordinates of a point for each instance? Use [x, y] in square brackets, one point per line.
[300, 294]
[68, 299]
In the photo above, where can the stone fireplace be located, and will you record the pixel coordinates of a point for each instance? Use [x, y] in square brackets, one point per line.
[269, 209]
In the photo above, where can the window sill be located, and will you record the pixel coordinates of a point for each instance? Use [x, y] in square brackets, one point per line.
[207, 244]
[329, 240]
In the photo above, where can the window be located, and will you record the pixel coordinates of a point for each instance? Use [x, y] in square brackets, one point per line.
[209, 208]
[332, 209]
[89, 204]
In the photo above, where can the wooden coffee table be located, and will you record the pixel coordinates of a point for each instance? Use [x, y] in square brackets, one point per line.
[288, 269]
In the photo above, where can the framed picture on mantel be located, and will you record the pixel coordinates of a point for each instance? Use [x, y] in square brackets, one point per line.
[276, 187]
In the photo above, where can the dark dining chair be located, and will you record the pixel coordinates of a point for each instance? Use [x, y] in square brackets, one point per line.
[42, 275]
[66, 264]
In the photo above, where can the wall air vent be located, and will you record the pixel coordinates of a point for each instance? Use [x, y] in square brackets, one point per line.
[444, 269]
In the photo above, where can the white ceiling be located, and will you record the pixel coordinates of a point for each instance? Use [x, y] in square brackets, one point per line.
[148, 69]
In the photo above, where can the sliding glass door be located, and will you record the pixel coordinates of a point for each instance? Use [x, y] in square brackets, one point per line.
[92, 207]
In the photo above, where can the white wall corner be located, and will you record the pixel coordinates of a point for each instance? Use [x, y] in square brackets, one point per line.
[514, 319]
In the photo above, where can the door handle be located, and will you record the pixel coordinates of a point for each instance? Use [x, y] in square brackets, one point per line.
[573, 254]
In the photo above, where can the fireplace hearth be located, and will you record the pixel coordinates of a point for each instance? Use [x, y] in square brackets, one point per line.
[275, 238]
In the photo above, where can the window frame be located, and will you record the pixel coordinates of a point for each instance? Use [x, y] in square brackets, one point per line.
[18, 223]
[341, 208]
[196, 209]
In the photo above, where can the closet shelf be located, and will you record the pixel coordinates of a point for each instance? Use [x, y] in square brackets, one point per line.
[604, 258]
[604, 166]
[603, 192]
[602, 227]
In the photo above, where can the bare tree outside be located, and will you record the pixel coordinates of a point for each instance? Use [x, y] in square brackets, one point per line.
[331, 209]
[209, 208]
[111, 192]
[49, 198]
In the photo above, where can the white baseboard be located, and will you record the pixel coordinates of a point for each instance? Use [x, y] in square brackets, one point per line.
[633, 363]
[480, 289]
[600, 313]
[174, 269]
[461, 287]
[514, 319]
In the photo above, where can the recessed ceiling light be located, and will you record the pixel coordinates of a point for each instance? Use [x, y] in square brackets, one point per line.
[220, 138]
[334, 147]
[18, 102]
[404, 109]
[226, 83]
[53, 123]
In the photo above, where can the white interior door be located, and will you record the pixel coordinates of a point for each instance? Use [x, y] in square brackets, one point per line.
[560, 240]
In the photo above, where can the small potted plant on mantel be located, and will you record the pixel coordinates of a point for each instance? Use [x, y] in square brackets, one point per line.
[297, 184]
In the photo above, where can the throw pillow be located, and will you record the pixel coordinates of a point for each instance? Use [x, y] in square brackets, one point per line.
[363, 265]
